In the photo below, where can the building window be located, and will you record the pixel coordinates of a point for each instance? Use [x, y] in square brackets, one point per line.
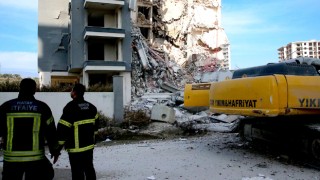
[95, 50]
[145, 32]
[63, 81]
[103, 50]
[145, 11]
[96, 19]
[101, 79]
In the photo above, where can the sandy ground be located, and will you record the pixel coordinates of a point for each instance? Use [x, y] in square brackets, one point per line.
[216, 156]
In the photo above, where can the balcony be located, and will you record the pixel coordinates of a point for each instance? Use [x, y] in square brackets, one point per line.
[104, 66]
[103, 4]
[103, 33]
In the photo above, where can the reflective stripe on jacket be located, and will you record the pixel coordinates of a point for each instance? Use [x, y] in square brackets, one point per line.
[25, 125]
[77, 126]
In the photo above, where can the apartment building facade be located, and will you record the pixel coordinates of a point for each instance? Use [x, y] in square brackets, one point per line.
[299, 49]
[86, 41]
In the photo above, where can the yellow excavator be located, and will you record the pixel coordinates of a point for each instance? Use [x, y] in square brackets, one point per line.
[280, 102]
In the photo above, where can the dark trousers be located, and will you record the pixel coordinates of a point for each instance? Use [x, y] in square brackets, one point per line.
[32, 170]
[82, 165]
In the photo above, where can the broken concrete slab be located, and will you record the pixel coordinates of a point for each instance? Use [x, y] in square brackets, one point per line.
[163, 113]
[157, 96]
[169, 87]
[226, 118]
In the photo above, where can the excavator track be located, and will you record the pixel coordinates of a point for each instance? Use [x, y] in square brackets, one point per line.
[290, 132]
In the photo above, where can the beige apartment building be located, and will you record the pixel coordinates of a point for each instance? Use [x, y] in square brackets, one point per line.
[299, 49]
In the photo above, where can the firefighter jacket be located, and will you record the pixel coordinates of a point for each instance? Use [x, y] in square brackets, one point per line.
[26, 124]
[78, 126]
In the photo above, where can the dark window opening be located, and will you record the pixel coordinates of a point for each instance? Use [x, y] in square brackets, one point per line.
[96, 20]
[101, 79]
[145, 11]
[145, 32]
[95, 50]
[97, 79]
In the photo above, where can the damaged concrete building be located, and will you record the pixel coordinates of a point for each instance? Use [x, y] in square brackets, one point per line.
[188, 30]
[93, 41]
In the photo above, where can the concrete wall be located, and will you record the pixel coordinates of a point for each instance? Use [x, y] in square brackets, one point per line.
[57, 100]
[53, 20]
[111, 51]
[126, 24]
[77, 51]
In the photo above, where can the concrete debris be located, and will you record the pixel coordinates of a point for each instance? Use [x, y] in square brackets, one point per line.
[151, 178]
[216, 76]
[163, 113]
[260, 177]
[173, 45]
[152, 72]
[156, 96]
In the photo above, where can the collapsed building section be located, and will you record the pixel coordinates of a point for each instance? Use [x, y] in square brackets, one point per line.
[174, 42]
[189, 31]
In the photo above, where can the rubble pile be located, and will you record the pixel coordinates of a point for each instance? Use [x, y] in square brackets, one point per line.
[184, 45]
[158, 80]
[153, 69]
[181, 30]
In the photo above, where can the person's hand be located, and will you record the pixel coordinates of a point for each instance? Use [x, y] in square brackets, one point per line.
[55, 158]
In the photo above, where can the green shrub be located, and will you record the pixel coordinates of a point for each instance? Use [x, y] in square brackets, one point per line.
[135, 118]
[9, 85]
[12, 85]
[104, 121]
[100, 88]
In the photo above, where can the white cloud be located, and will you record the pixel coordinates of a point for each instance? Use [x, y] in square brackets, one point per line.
[23, 63]
[20, 4]
[255, 18]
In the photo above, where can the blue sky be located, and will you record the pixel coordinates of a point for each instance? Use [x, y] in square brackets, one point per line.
[255, 28]
[19, 38]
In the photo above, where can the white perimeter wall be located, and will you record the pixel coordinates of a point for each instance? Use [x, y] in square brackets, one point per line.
[57, 100]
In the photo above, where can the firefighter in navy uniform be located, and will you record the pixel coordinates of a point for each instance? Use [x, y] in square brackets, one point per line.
[25, 125]
[76, 132]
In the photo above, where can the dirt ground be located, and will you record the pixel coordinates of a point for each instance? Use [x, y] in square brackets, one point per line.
[213, 156]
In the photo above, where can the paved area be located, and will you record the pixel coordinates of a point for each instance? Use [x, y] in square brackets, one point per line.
[216, 156]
